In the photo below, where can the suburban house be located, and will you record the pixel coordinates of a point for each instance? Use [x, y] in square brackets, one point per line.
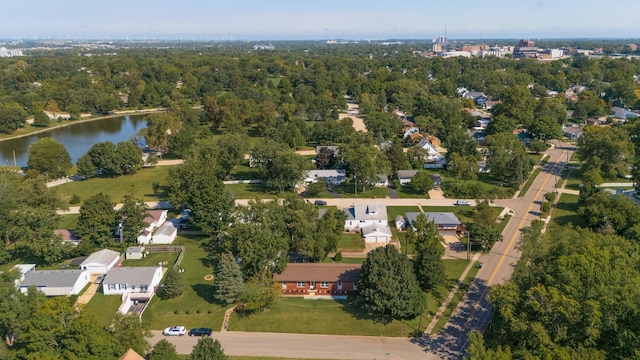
[400, 223]
[68, 236]
[318, 279]
[131, 355]
[447, 223]
[332, 176]
[434, 140]
[409, 131]
[134, 252]
[56, 282]
[405, 176]
[383, 180]
[370, 221]
[23, 269]
[139, 280]
[432, 153]
[155, 219]
[100, 261]
[165, 234]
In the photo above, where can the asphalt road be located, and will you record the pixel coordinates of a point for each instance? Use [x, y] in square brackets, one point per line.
[305, 346]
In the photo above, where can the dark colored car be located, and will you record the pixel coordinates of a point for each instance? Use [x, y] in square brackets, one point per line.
[200, 332]
[320, 203]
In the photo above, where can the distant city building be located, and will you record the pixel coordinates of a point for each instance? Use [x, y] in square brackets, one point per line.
[4, 52]
[263, 47]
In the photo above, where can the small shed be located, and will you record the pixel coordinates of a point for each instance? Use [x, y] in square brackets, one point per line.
[400, 223]
[134, 252]
[165, 234]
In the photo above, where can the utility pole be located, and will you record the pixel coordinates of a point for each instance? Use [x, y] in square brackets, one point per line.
[468, 244]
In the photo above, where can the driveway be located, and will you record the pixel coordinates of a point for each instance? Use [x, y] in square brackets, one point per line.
[88, 295]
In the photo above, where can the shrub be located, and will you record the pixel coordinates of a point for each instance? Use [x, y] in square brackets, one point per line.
[176, 312]
[187, 311]
[75, 199]
[550, 196]
[338, 256]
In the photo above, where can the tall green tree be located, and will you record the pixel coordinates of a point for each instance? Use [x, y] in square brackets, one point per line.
[279, 167]
[387, 286]
[49, 157]
[607, 149]
[131, 333]
[422, 182]
[97, 220]
[228, 283]
[207, 349]
[509, 162]
[131, 217]
[173, 285]
[163, 350]
[427, 264]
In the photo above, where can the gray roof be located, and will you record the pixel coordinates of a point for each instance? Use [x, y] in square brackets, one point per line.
[399, 218]
[104, 257]
[367, 212]
[406, 174]
[130, 275]
[52, 278]
[439, 218]
[383, 178]
[166, 229]
[135, 249]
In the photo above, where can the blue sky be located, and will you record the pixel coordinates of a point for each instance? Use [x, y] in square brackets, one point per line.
[324, 19]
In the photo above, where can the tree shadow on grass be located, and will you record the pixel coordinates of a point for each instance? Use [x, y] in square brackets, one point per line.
[205, 292]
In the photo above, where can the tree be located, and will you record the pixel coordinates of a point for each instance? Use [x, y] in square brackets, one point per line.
[173, 285]
[127, 158]
[607, 149]
[428, 265]
[463, 167]
[85, 166]
[97, 220]
[422, 182]
[325, 158]
[518, 104]
[230, 150]
[12, 117]
[279, 167]
[387, 286]
[131, 216]
[160, 127]
[207, 349]
[228, 283]
[41, 119]
[196, 185]
[130, 332]
[49, 157]
[361, 162]
[537, 146]
[546, 128]
[396, 156]
[509, 162]
[163, 350]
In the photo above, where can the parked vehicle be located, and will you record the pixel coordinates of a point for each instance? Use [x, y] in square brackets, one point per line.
[174, 331]
[462, 203]
[200, 332]
[320, 203]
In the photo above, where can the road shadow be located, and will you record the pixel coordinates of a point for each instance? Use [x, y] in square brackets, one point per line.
[473, 314]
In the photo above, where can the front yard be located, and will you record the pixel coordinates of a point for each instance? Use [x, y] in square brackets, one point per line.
[341, 317]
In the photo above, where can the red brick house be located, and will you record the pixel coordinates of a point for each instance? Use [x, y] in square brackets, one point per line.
[321, 279]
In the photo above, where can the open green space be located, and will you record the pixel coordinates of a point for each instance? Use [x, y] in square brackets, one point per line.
[347, 190]
[296, 315]
[574, 179]
[250, 191]
[195, 308]
[69, 221]
[409, 192]
[392, 212]
[350, 242]
[117, 187]
[529, 182]
[462, 290]
[566, 211]
[243, 172]
[103, 307]
[165, 259]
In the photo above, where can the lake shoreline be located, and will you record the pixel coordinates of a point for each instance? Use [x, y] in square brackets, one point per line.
[115, 114]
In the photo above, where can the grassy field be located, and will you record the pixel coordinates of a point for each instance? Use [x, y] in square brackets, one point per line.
[566, 211]
[346, 190]
[243, 172]
[250, 191]
[103, 307]
[574, 180]
[350, 242]
[153, 259]
[117, 187]
[69, 221]
[529, 182]
[408, 192]
[296, 315]
[195, 308]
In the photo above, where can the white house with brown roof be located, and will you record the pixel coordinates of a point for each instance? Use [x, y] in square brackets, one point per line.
[155, 219]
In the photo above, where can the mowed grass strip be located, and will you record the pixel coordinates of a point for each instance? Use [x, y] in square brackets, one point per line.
[195, 308]
[117, 187]
[103, 307]
[566, 211]
[297, 315]
[529, 182]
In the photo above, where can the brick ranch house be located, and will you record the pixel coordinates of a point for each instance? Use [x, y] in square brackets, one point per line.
[300, 279]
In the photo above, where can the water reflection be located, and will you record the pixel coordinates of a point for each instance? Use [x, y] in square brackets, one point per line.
[76, 138]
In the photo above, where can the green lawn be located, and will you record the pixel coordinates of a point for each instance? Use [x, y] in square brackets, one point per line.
[346, 190]
[243, 172]
[250, 191]
[566, 211]
[350, 242]
[462, 290]
[408, 192]
[117, 187]
[167, 259]
[195, 308]
[104, 307]
[529, 182]
[69, 221]
[574, 180]
[345, 260]
[392, 212]
[296, 315]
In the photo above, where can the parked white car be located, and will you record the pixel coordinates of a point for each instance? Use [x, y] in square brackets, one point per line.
[462, 203]
[174, 331]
